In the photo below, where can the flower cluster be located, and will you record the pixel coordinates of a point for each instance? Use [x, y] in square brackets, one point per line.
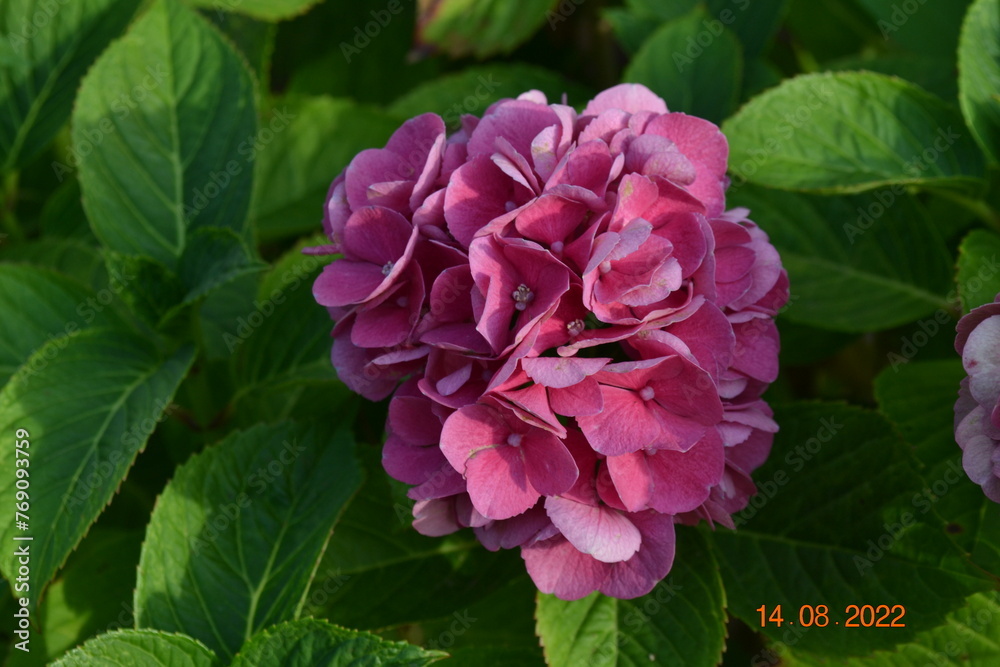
[574, 331]
[977, 411]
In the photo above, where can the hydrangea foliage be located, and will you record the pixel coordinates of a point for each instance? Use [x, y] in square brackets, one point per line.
[574, 330]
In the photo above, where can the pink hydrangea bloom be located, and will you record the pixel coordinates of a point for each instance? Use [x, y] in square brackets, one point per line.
[977, 411]
[575, 332]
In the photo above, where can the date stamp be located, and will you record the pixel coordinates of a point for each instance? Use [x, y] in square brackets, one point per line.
[22, 542]
[855, 616]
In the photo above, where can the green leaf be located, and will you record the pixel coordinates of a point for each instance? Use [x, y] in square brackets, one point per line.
[967, 639]
[835, 523]
[753, 22]
[480, 27]
[141, 648]
[856, 264]
[310, 642]
[702, 80]
[266, 10]
[474, 89]
[978, 271]
[49, 306]
[979, 74]
[848, 132]
[89, 405]
[682, 621]
[935, 75]
[281, 342]
[79, 605]
[314, 139]
[52, 46]
[378, 571]
[236, 535]
[212, 258]
[919, 399]
[163, 124]
[71, 257]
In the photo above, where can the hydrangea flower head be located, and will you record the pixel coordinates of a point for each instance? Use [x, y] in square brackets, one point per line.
[977, 411]
[574, 330]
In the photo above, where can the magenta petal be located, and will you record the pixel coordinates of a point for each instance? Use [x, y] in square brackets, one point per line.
[557, 567]
[551, 468]
[601, 532]
[632, 479]
[624, 426]
[638, 575]
[436, 517]
[683, 480]
[580, 400]
[630, 97]
[344, 282]
[559, 372]
[498, 485]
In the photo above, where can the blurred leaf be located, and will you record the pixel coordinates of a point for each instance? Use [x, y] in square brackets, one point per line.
[933, 32]
[211, 258]
[164, 123]
[479, 27]
[824, 30]
[856, 264]
[93, 594]
[758, 76]
[63, 216]
[682, 621]
[89, 406]
[318, 137]
[979, 74]
[802, 345]
[266, 10]
[692, 63]
[314, 642]
[141, 648]
[862, 544]
[52, 45]
[919, 399]
[849, 132]
[967, 639]
[978, 270]
[474, 89]
[234, 540]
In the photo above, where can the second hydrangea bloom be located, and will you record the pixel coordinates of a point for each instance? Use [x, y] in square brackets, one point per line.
[581, 331]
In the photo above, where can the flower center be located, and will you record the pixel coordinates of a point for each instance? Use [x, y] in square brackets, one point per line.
[647, 393]
[575, 328]
[557, 247]
[522, 296]
[514, 439]
[403, 301]
[605, 266]
[387, 269]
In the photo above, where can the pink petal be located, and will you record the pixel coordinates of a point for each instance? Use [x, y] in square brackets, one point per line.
[601, 532]
[630, 97]
[557, 567]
